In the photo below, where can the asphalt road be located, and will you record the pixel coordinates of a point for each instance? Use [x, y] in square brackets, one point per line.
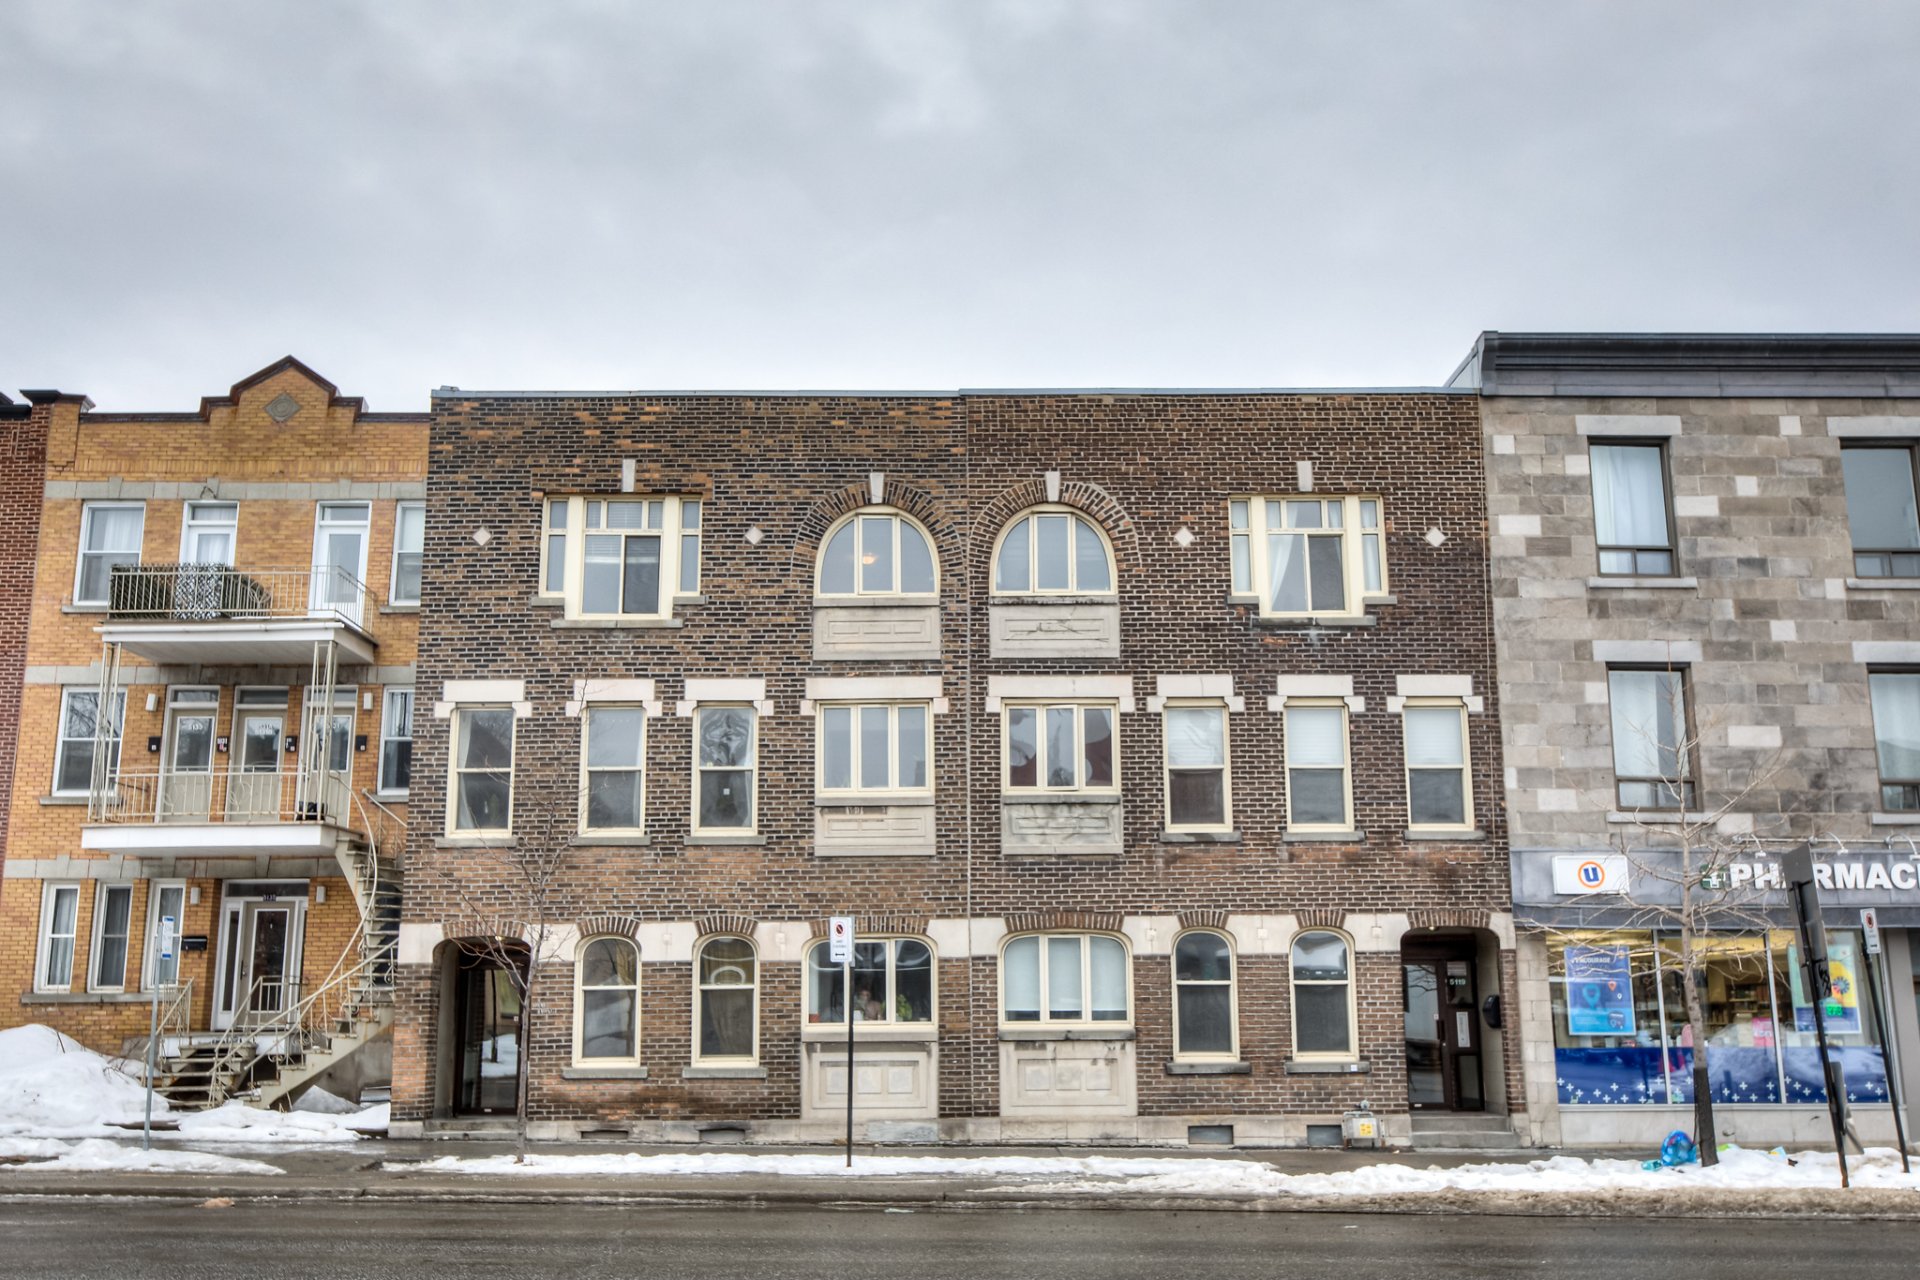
[259, 1241]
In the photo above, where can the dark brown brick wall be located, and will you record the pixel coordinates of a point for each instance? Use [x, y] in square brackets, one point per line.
[23, 470]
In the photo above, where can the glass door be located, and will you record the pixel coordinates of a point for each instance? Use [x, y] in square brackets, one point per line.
[340, 560]
[267, 981]
[253, 782]
[1426, 1059]
[487, 1011]
[326, 777]
[1443, 1032]
[186, 761]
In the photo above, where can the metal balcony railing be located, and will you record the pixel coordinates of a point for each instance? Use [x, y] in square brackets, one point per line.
[266, 796]
[217, 593]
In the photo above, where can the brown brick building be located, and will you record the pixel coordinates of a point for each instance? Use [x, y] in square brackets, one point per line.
[215, 579]
[1151, 739]
[23, 459]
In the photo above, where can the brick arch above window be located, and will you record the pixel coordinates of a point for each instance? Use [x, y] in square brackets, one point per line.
[604, 926]
[737, 926]
[911, 926]
[893, 492]
[1215, 919]
[1046, 921]
[1089, 500]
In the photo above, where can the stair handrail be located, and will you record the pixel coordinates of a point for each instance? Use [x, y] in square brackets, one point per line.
[176, 1015]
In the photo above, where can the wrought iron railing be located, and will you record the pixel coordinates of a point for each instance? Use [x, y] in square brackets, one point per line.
[219, 593]
[235, 796]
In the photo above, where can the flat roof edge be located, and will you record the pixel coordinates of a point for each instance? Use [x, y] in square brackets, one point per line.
[461, 393]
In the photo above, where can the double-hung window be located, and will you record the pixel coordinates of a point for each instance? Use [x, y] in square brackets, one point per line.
[877, 553]
[1323, 1014]
[1203, 1015]
[409, 543]
[112, 930]
[892, 982]
[396, 741]
[1439, 793]
[726, 749]
[1064, 978]
[1651, 768]
[482, 799]
[613, 765]
[1881, 512]
[606, 1009]
[109, 535]
[1896, 734]
[166, 899]
[59, 929]
[874, 749]
[727, 995]
[620, 557]
[1061, 747]
[1632, 521]
[1307, 555]
[1319, 784]
[74, 747]
[1197, 790]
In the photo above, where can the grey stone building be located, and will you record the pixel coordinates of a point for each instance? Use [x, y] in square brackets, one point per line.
[1706, 582]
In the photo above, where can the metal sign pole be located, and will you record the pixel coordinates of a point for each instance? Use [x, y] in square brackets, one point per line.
[1798, 865]
[153, 1031]
[849, 1005]
[1870, 932]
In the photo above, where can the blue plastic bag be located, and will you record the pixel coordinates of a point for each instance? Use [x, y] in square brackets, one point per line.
[1678, 1149]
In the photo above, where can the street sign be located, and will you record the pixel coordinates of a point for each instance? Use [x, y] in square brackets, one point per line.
[169, 936]
[840, 939]
[1870, 925]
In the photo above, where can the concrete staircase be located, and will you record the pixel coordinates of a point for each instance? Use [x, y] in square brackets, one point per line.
[1463, 1131]
[203, 1073]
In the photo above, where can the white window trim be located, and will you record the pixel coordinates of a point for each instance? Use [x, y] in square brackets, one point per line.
[149, 957]
[393, 570]
[699, 1003]
[380, 765]
[580, 990]
[1226, 766]
[1085, 1020]
[855, 793]
[1352, 559]
[1112, 590]
[188, 525]
[859, 592]
[696, 831]
[80, 549]
[1293, 1003]
[100, 891]
[1291, 702]
[60, 739]
[574, 544]
[1042, 706]
[454, 771]
[893, 985]
[320, 522]
[1465, 767]
[1232, 984]
[49, 892]
[587, 708]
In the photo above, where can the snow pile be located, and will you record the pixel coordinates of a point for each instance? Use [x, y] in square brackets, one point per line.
[680, 1164]
[235, 1121]
[96, 1155]
[53, 1085]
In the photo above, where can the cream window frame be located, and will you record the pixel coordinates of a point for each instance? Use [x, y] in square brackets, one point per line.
[388, 697]
[193, 521]
[1464, 768]
[751, 767]
[1226, 764]
[81, 552]
[818, 1017]
[700, 989]
[1291, 705]
[1085, 1021]
[101, 890]
[400, 509]
[454, 770]
[1351, 982]
[587, 712]
[1079, 520]
[1042, 706]
[580, 989]
[1231, 983]
[50, 893]
[856, 793]
[572, 544]
[149, 953]
[112, 740]
[1249, 526]
[860, 590]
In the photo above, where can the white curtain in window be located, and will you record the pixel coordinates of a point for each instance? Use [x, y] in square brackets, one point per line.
[1646, 711]
[1314, 738]
[1022, 959]
[1108, 970]
[1194, 737]
[1896, 724]
[1433, 736]
[1629, 496]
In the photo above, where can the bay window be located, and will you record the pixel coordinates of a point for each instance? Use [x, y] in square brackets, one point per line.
[619, 557]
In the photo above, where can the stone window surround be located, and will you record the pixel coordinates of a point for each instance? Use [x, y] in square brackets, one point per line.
[455, 694]
[621, 692]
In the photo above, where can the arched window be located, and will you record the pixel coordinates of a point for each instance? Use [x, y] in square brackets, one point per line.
[877, 553]
[606, 1002]
[1052, 551]
[727, 993]
[1064, 978]
[1322, 996]
[1204, 1021]
[892, 982]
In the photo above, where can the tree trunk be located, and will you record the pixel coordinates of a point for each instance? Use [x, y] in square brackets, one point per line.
[520, 1071]
[1705, 1136]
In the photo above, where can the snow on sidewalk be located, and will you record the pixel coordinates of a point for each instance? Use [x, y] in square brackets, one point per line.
[97, 1155]
[1099, 1175]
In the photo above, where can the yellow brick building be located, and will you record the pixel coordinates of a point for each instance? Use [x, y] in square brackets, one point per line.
[216, 579]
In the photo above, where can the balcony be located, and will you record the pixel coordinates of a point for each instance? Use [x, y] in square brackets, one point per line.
[159, 813]
[210, 613]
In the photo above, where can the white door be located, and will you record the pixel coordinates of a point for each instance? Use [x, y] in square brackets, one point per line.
[326, 770]
[253, 782]
[258, 971]
[186, 761]
[340, 560]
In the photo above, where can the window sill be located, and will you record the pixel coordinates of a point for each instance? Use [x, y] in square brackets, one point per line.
[1348, 836]
[603, 1073]
[547, 602]
[392, 797]
[616, 624]
[870, 1032]
[1910, 819]
[1066, 1033]
[876, 602]
[83, 608]
[695, 599]
[501, 841]
[596, 840]
[694, 842]
[862, 851]
[723, 1073]
[1317, 621]
[1328, 1067]
[1042, 599]
[1059, 797]
[86, 997]
[51, 801]
[1442, 835]
[1625, 583]
[887, 799]
[1883, 584]
[400, 608]
[1200, 837]
[1657, 818]
[1177, 1068]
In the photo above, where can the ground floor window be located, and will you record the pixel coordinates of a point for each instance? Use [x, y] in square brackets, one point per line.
[727, 991]
[1621, 1034]
[892, 982]
[607, 1002]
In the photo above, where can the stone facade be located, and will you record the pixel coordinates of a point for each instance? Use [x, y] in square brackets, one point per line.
[1153, 474]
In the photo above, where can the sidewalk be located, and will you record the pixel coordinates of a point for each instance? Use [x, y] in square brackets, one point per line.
[405, 1172]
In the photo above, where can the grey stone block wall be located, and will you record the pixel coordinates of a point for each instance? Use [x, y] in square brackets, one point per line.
[1765, 615]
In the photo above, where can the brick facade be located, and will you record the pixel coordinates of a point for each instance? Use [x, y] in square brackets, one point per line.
[23, 457]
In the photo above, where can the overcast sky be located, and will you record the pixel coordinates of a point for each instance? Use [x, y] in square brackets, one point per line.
[703, 194]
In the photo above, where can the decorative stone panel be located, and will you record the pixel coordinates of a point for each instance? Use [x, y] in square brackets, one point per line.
[842, 632]
[1054, 629]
